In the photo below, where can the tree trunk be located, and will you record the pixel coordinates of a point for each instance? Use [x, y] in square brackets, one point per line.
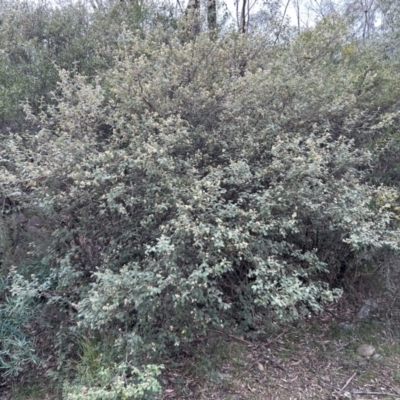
[243, 18]
[212, 18]
[192, 16]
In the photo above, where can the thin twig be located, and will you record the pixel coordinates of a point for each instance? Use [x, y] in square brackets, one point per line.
[275, 338]
[50, 296]
[374, 393]
[234, 337]
[348, 381]
[281, 24]
[276, 365]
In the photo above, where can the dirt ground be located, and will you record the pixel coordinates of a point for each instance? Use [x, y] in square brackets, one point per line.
[316, 359]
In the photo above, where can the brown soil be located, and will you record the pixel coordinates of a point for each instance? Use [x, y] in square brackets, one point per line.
[314, 360]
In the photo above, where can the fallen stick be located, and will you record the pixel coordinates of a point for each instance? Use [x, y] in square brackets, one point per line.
[234, 337]
[275, 338]
[374, 393]
[348, 381]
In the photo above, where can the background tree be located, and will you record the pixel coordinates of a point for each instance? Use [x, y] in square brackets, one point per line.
[212, 17]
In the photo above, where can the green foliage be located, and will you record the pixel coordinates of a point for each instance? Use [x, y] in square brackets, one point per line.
[12, 89]
[17, 310]
[196, 193]
[117, 383]
[98, 376]
[37, 38]
[106, 370]
[196, 184]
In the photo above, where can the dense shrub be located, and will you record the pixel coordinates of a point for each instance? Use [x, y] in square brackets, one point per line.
[197, 185]
[16, 313]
